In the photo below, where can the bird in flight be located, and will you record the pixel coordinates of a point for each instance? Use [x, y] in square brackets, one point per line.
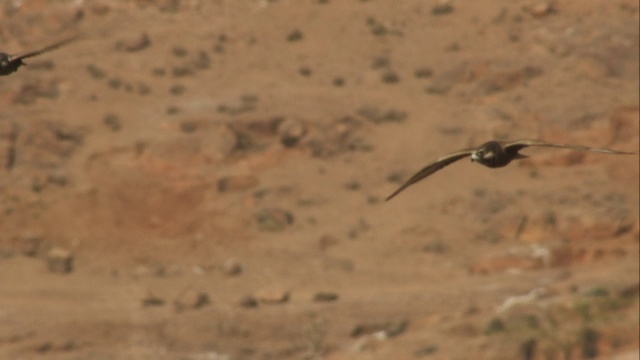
[494, 154]
[10, 63]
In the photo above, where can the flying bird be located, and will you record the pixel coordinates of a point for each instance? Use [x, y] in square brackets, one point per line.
[494, 154]
[10, 63]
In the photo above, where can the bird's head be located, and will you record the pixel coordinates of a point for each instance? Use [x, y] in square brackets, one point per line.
[483, 155]
[4, 60]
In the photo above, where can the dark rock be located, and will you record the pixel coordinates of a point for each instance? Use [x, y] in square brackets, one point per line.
[390, 328]
[324, 296]
[273, 219]
[234, 183]
[248, 302]
[295, 35]
[112, 121]
[232, 267]
[59, 261]
[291, 131]
[273, 296]
[443, 7]
[138, 43]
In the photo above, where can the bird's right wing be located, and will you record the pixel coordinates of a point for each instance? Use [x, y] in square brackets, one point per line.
[431, 168]
[44, 50]
[520, 144]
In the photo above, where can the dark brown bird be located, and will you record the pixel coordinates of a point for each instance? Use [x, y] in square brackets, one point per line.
[10, 63]
[494, 154]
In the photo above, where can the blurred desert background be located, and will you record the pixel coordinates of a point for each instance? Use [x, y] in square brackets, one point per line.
[205, 180]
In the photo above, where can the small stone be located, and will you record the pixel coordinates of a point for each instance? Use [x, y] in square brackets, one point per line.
[291, 131]
[60, 261]
[192, 300]
[138, 43]
[324, 296]
[423, 73]
[272, 296]
[232, 267]
[327, 241]
[179, 51]
[237, 183]
[542, 9]
[390, 77]
[273, 219]
[305, 71]
[30, 245]
[95, 71]
[180, 71]
[177, 89]
[152, 300]
[295, 35]
[202, 61]
[443, 7]
[436, 247]
[248, 302]
[390, 328]
[112, 121]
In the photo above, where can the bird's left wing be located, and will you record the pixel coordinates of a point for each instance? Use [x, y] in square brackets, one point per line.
[431, 168]
[520, 144]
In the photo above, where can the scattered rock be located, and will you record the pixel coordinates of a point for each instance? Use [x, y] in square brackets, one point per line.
[30, 92]
[95, 72]
[423, 73]
[177, 89]
[248, 302]
[232, 267]
[291, 131]
[494, 326]
[326, 241]
[112, 121]
[542, 9]
[436, 247]
[273, 219]
[390, 77]
[272, 296]
[305, 71]
[192, 300]
[324, 296]
[389, 328]
[505, 80]
[378, 116]
[235, 183]
[30, 245]
[152, 300]
[60, 261]
[427, 350]
[138, 43]
[295, 35]
[179, 51]
[443, 7]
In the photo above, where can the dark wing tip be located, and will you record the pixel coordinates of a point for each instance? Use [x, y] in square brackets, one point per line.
[46, 48]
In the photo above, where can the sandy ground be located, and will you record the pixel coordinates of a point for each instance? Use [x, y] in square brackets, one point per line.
[206, 180]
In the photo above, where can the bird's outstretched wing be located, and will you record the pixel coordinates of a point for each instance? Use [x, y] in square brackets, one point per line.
[514, 146]
[43, 50]
[431, 168]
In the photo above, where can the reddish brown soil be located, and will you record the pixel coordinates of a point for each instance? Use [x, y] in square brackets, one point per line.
[217, 171]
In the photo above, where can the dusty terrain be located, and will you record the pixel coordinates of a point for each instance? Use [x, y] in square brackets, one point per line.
[206, 180]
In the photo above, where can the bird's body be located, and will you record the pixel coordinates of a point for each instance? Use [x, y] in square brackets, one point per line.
[9, 63]
[495, 154]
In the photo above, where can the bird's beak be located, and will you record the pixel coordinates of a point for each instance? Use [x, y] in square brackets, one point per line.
[474, 157]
